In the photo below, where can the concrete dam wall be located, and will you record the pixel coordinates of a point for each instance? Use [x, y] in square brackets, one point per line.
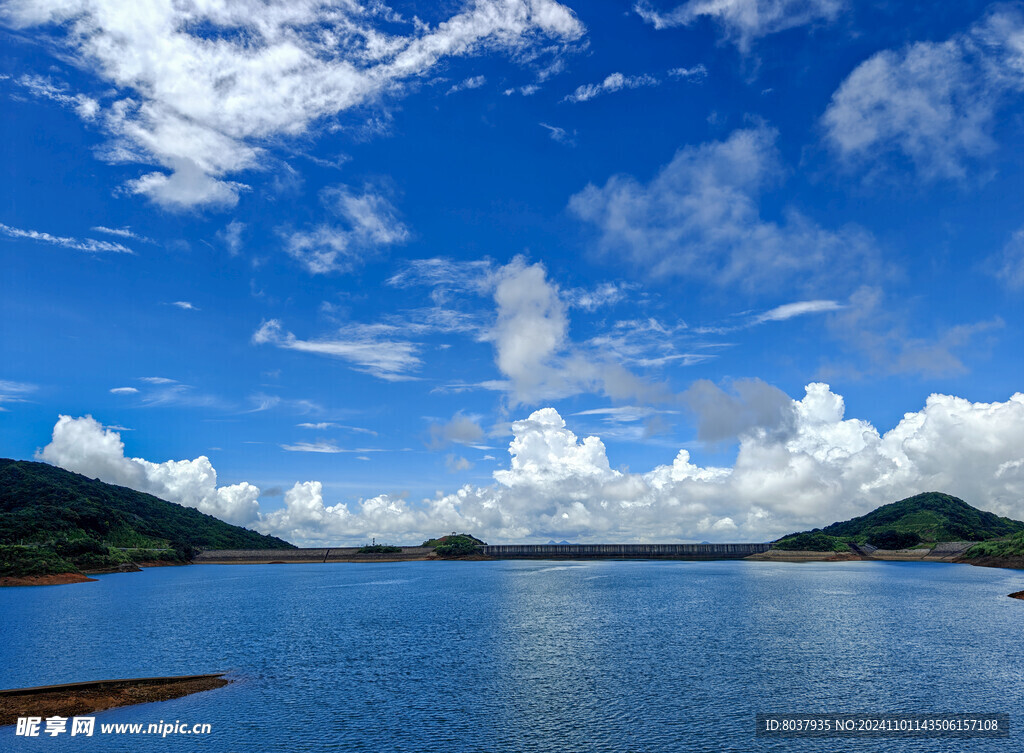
[501, 551]
[623, 551]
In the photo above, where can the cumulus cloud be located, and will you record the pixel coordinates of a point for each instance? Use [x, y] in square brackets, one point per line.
[824, 468]
[752, 405]
[743, 21]
[612, 83]
[700, 217]
[84, 446]
[930, 103]
[372, 349]
[251, 77]
[89, 245]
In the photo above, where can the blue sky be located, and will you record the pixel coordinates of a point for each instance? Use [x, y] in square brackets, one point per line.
[349, 259]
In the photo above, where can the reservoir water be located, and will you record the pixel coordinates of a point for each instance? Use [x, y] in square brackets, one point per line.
[523, 656]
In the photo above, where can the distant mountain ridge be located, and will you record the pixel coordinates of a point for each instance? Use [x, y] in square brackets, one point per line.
[53, 520]
[921, 520]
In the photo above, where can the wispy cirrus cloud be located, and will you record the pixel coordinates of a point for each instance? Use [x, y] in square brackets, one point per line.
[14, 392]
[742, 21]
[329, 448]
[372, 349]
[89, 245]
[798, 308]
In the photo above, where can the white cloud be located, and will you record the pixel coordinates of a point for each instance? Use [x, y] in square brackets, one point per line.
[14, 392]
[185, 305]
[473, 82]
[369, 221]
[824, 468]
[1010, 264]
[462, 429]
[696, 73]
[881, 335]
[525, 91]
[456, 463]
[559, 134]
[44, 88]
[612, 83]
[231, 237]
[537, 358]
[123, 232]
[743, 21]
[88, 245]
[324, 447]
[124, 391]
[200, 104]
[83, 445]
[323, 425]
[370, 348]
[700, 217]
[931, 103]
[799, 308]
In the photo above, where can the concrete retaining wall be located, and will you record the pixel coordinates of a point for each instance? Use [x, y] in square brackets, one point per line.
[623, 551]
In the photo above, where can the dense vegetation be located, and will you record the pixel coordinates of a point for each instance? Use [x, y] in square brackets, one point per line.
[455, 545]
[1012, 546]
[54, 521]
[919, 520]
[379, 549]
[812, 541]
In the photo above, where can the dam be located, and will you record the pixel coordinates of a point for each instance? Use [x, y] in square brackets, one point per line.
[486, 552]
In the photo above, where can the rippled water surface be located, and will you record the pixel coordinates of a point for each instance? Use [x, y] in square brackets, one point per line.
[527, 656]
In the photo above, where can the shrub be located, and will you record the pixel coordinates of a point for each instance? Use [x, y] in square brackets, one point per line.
[893, 539]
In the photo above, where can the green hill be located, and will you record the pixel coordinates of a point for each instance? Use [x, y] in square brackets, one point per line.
[919, 520]
[54, 521]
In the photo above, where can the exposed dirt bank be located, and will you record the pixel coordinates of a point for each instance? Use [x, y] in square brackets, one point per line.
[1011, 562]
[79, 699]
[45, 580]
[799, 555]
[1017, 595]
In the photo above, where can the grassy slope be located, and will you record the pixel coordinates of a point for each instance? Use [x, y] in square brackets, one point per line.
[52, 520]
[930, 517]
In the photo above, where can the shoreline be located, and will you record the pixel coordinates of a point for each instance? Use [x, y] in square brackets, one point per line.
[421, 554]
[86, 698]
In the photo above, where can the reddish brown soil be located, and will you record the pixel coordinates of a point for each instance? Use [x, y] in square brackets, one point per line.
[45, 580]
[1011, 562]
[1017, 595]
[69, 702]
